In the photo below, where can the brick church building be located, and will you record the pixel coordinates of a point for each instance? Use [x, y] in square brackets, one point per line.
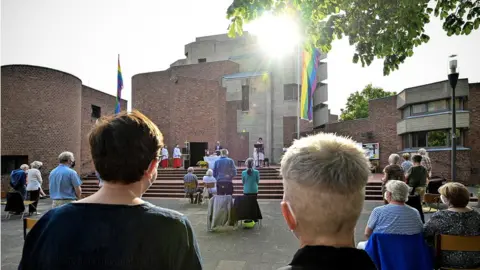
[46, 112]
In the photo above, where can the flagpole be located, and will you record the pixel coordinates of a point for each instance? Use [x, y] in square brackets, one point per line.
[298, 91]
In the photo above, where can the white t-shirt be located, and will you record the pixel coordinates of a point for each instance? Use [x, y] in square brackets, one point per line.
[34, 179]
[211, 179]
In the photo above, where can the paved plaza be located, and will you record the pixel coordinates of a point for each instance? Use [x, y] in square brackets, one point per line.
[269, 247]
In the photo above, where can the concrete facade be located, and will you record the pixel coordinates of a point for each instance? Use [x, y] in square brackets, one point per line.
[420, 117]
[263, 90]
[46, 112]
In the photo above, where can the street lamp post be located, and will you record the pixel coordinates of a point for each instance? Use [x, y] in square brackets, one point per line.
[453, 79]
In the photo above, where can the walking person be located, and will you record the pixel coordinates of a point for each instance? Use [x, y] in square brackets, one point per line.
[34, 186]
[64, 181]
[18, 180]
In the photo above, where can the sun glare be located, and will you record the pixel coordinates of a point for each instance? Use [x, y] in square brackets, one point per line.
[277, 35]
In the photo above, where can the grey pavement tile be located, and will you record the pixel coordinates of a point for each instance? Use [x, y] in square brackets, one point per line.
[269, 247]
[230, 265]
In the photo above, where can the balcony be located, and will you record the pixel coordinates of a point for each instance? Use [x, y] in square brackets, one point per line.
[431, 92]
[320, 115]
[434, 121]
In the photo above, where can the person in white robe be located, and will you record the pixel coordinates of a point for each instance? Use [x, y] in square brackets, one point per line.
[177, 157]
[164, 162]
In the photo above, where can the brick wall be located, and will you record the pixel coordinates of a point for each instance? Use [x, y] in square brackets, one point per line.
[383, 116]
[107, 103]
[441, 165]
[473, 135]
[40, 114]
[236, 143]
[290, 128]
[190, 107]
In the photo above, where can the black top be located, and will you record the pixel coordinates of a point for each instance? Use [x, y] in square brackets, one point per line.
[326, 258]
[101, 236]
[417, 176]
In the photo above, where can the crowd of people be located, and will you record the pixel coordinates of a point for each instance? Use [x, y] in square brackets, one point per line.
[324, 178]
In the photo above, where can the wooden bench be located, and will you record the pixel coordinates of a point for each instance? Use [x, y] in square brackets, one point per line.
[455, 243]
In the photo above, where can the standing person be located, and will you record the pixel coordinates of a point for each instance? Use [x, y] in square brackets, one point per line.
[426, 162]
[393, 171]
[177, 157]
[250, 179]
[34, 186]
[324, 179]
[224, 171]
[406, 164]
[18, 180]
[417, 177]
[164, 162]
[64, 181]
[114, 228]
[260, 155]
[218, 147]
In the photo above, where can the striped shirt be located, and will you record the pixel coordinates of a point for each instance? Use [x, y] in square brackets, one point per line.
[427, 163]
[395, 219]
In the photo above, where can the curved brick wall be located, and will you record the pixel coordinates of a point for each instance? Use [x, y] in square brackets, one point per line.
[41, 114]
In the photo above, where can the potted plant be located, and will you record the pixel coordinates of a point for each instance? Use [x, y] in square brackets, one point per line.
[202, 164]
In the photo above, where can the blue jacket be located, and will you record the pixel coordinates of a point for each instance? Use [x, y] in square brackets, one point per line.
[224, 169]
[18, 179]
[399, 252]
[250, 182]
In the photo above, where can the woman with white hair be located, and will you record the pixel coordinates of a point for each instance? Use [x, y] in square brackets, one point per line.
[208, 180]
[393, 171]
[396, 217]
[34, 186]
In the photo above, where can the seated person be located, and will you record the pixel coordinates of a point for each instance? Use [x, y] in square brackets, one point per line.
[208, 178]
[191, 185]
[417, 177]
[396, 217]
[458, 219]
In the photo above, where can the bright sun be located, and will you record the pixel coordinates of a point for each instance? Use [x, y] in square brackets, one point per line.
[278, 35]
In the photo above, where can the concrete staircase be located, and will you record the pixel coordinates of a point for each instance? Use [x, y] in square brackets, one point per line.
[169, 184]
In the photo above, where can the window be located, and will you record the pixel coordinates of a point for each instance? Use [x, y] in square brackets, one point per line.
[96, 112]
[419, 139]
[437, 138]
[245, 97]
[439, 105]
[10, 163]
[434, 138]
[419, 108]
[290, 92]
[406, 112]
[458, 104]
[202, 60]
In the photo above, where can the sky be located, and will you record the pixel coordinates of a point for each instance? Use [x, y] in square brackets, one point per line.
[84, 38]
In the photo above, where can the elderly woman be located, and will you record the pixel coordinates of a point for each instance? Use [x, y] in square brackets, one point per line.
[426, 162]
[208, 180]
[34, 185]
[324, 178]
[393, 171]
[396, 217]
[458, 219]
[406, 164]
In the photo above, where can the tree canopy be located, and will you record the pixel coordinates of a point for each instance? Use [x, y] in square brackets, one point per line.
[377, 28]
[357, 103]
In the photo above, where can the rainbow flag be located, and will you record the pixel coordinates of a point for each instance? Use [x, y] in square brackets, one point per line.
[311, 60]
[119, 87]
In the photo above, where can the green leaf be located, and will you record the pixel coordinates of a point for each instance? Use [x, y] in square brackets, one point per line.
[355, 58]
[429, 10]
